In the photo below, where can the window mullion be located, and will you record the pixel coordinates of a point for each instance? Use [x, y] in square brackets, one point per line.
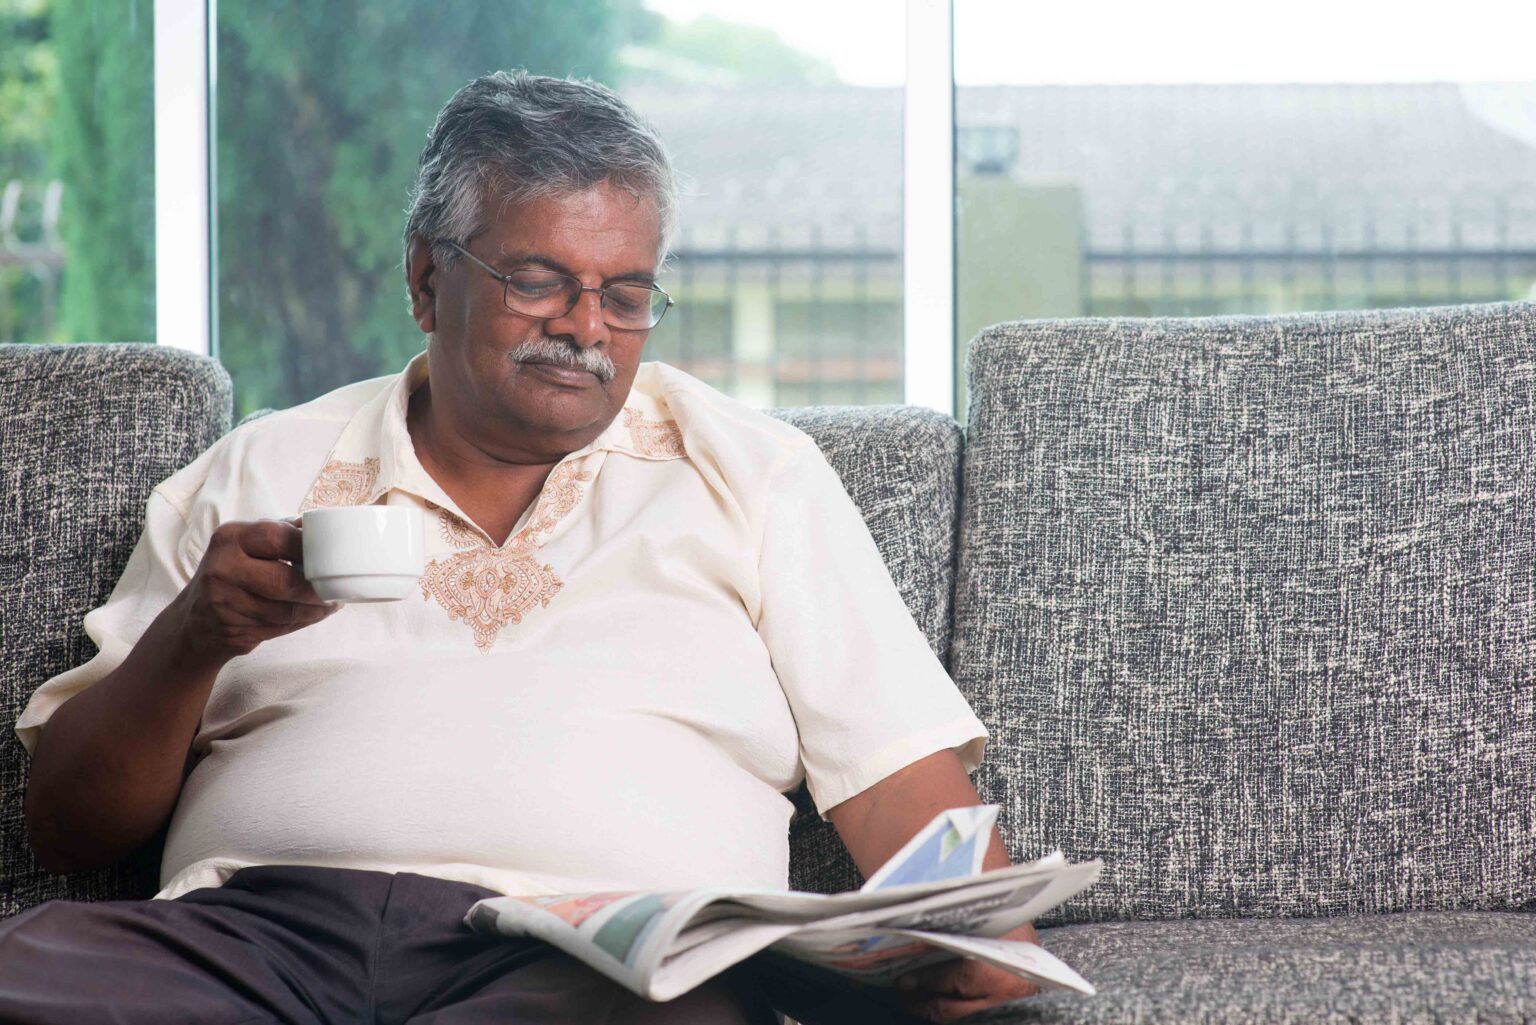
[183, 175]
[928, 189]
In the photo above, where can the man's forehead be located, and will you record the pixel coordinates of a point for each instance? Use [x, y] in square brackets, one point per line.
[603, 220]
[603, 201]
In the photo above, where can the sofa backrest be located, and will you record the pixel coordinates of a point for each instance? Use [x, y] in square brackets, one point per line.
[1248, 606]
[85, 432]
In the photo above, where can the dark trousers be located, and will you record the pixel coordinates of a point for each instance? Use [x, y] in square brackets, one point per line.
[303, 945]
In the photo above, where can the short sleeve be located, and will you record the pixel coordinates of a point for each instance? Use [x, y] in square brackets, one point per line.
[867, 693]
[156, 572]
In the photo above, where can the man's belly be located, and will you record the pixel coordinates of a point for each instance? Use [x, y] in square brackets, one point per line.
[568, 800]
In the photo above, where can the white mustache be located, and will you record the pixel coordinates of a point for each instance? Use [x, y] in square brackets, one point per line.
[563, 354]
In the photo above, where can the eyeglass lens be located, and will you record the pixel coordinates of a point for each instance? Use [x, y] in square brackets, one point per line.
[548, 295]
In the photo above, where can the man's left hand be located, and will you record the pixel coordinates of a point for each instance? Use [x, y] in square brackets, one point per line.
[953, 989]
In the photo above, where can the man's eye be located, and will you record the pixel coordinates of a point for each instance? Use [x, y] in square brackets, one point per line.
[536, 287]
[628, 300]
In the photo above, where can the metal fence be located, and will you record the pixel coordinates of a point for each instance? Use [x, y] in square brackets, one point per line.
[1141, 282]
[1312, 255]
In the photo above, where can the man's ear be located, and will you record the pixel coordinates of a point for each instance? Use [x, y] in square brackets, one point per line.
[421, 280]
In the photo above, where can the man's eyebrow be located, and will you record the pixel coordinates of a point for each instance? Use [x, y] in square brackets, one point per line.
[511, 261]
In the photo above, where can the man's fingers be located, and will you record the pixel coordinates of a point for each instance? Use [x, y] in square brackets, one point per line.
[277, 581]
[948, 1006]
[961, 976]
[267, 612]
[946, 1009]
[271, 539]
[953, 989]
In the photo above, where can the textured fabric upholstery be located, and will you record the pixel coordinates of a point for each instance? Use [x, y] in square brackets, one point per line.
[1247, 604]
[85, 432]
[901, 467]
[1422, 968]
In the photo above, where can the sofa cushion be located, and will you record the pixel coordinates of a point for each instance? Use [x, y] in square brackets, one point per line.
[901, 467]
[1420, 968]
[1248, 606]
[85, 432]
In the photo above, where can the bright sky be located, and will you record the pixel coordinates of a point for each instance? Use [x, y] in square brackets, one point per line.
[1021, 42]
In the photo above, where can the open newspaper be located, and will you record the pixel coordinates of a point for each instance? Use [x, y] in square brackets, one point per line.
[930, 902]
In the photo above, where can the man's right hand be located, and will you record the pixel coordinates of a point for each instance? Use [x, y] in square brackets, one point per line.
[98, 791]
[248, 588]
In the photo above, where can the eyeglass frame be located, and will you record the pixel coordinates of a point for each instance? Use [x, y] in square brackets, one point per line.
[602, 292]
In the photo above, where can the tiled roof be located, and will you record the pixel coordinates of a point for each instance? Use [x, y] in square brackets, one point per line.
[1424, 167]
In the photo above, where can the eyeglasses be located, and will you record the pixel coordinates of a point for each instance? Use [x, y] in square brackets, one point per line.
[549, 295]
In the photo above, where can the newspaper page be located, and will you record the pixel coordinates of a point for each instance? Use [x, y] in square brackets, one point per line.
[930, 902]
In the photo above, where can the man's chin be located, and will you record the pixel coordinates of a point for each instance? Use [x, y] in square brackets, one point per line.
[556, 410]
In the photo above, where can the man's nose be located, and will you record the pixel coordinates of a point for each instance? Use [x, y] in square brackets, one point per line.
[584, 323]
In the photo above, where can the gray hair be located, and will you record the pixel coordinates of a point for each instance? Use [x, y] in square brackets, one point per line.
[526, 137]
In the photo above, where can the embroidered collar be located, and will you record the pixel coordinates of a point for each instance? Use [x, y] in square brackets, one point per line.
[374, 453]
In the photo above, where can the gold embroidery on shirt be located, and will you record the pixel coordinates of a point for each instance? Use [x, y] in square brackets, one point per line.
[660, 438]
[561, 493]
[490, 587]
[455, 531]
[342, 483]
[487, 588]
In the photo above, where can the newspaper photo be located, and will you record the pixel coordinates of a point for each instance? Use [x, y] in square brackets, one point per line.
[929, 902]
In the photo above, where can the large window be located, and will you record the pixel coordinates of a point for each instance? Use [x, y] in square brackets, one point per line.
[77, 186]
[317, 147]
[1110, 159]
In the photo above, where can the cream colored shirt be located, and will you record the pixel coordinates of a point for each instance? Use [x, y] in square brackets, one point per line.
[689, 620]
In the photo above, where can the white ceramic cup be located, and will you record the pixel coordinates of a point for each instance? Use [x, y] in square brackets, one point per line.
[363, 553]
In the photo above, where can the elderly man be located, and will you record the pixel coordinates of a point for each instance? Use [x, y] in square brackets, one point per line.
[648, 613]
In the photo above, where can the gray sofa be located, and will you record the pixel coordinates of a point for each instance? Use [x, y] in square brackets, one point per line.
[1248, 605]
